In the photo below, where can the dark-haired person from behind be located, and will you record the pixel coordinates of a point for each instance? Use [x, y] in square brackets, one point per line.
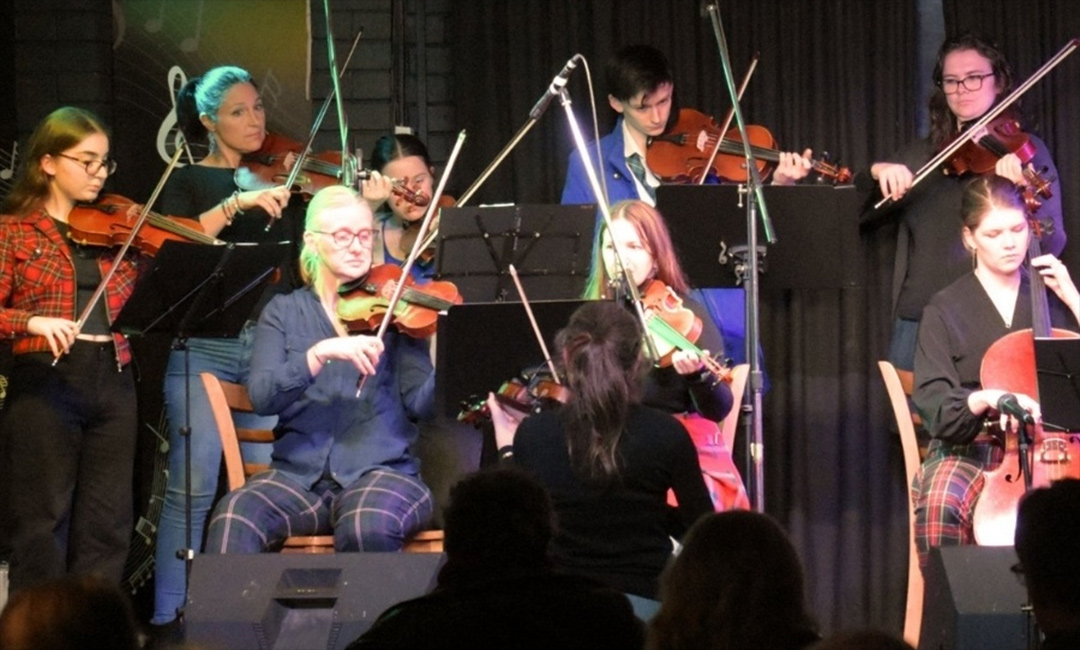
[69, 614]
[498, 588]
[607, 460]
[1047, 539]
[737, 584]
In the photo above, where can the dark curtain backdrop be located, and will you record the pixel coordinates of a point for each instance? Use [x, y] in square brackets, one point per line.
[834, 75]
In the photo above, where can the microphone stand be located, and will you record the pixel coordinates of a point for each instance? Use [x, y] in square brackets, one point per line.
[750, 277]
[605, 213]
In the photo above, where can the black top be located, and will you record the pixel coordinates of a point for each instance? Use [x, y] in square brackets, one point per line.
[194, 189]
[539, 611]
[957, 328]
[930, 215]
[87, 279]
[667, 390]
[618, 533]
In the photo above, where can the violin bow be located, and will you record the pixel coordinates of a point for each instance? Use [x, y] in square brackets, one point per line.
[298, 165]
[348, 171]
[535, 327]
[979, 125]
[414, 254]
[730, 116]
[143, 215]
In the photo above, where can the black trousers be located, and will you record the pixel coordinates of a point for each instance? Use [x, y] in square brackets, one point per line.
[69, 435]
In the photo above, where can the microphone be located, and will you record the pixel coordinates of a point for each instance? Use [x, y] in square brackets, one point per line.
[1009, 405]
[554, 89]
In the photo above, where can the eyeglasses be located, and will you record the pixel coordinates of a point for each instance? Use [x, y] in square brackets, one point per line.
[344, 238]
[971, 82]
[95, 165]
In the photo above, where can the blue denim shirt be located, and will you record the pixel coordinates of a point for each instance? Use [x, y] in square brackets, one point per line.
[323, 428]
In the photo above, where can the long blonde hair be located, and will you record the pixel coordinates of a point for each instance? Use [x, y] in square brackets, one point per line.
[654, 236]
[60, 130]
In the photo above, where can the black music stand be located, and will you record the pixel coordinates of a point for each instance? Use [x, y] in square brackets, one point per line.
[549, 245]
[817, 235]
[481, 345]
[1057, 369]
[198, 290]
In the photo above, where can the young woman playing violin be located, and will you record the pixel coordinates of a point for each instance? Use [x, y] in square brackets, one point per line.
[223, 108]
[69, 426]
[686, 386]
[958, 326]
[342, 464]
[607, 460]
[970, 77]
[400, 159]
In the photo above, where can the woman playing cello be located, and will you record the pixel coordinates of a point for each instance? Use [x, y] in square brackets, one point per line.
[958, 326]
[69, 426]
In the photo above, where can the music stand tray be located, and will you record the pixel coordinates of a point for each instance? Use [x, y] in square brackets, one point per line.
[817, 234]
[549, 245]
[1057, 369]
[481, 345]
[195, 290]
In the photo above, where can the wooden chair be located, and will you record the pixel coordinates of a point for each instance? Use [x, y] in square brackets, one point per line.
[227, 398]
[730, 425]
[899, 385]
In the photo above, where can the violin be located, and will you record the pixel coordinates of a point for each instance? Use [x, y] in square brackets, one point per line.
[680, 154]
[363, 304]
[409, 231]
[1009, 365]
[267, 168]
[673, 327]
[998, 138]
[526, 396]
[109, 221]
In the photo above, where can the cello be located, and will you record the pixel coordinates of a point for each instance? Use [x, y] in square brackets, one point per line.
[1030, 459]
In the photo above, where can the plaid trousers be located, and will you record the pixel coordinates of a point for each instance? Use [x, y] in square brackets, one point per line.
[376, 513]
[945, 491]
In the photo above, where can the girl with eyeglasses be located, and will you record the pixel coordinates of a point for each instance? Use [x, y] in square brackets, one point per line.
[970, 77]
[69, 427]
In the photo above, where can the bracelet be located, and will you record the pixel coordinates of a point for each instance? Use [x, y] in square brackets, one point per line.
[506, 452]
[236, 202]
[225, 211]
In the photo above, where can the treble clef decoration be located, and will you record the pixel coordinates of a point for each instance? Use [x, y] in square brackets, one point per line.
[169, 133]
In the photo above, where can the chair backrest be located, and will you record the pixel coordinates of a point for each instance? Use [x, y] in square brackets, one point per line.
[730, 424]
[226, 398]
[899, 387]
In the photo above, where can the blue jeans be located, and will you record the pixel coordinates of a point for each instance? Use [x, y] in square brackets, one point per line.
[228, 359]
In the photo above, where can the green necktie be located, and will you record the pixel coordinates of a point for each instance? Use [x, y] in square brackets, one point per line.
[638, 167]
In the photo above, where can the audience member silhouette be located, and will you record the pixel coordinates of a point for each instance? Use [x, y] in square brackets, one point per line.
[69, 614]
[737, 584]
[1047, 537]
[498, 589]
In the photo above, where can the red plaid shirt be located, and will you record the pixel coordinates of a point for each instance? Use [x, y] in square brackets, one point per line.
[37, 278]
